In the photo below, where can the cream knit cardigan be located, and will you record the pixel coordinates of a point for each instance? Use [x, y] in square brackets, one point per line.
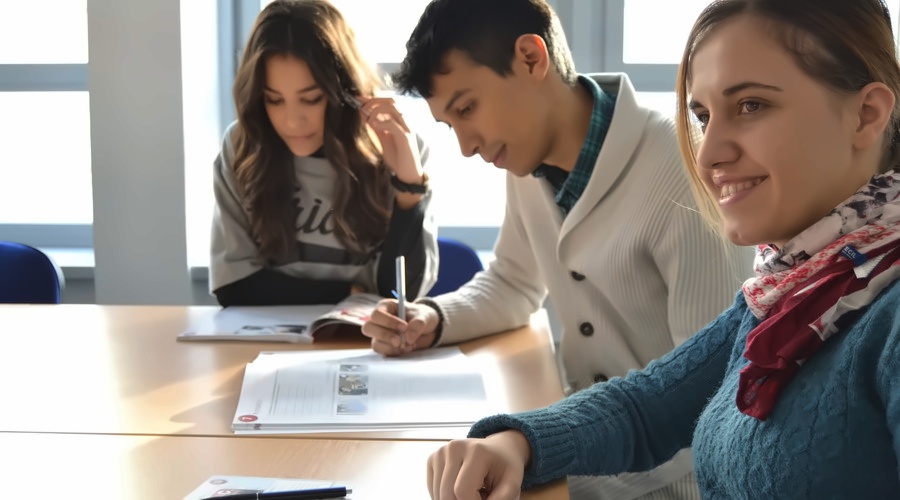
[653, 273]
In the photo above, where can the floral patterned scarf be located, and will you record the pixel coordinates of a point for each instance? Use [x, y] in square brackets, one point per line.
[801, 291]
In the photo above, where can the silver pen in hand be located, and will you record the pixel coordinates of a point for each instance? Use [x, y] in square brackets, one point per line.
[400, 266]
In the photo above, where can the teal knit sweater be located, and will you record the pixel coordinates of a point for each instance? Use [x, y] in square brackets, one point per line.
[834, 431]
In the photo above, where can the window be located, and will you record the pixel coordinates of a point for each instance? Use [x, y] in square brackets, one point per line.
[652, 61]
[46, 32]
[670, 24]
[206, 64]
[47, 158]
[45, 194]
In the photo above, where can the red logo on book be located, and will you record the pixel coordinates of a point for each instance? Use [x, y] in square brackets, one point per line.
[350, 313]
[247, 418]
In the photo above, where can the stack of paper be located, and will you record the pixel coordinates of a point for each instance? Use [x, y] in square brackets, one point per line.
[358, 390]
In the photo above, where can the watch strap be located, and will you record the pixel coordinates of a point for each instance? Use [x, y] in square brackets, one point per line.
[404, 187]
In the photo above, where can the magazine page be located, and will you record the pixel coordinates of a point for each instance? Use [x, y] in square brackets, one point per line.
[359, 392]
[258, 323]
[345, 319]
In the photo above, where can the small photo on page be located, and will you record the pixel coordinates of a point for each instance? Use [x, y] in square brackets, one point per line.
[353, 385]
[352, 407]
[346, 367]
[271, 329]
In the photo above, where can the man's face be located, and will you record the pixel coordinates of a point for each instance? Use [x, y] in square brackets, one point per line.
[503, 119]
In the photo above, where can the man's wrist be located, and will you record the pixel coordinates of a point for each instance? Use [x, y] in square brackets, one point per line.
[438, 330]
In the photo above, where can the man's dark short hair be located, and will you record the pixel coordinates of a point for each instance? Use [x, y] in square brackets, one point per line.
[486, 32]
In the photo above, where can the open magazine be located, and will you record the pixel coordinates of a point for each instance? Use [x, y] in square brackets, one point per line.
[286, 323]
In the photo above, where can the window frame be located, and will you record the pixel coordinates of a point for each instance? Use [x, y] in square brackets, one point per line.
[644, 77]
[595, 31]
[235, 21]
[46, 78]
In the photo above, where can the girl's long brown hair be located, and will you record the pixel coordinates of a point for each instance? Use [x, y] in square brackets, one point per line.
[316, 32]
[852, 46]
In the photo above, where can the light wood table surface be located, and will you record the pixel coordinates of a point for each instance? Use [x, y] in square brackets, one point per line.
[118, 467]
[119, 370]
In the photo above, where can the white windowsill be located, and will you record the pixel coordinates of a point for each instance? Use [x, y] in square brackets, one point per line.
[78, 263]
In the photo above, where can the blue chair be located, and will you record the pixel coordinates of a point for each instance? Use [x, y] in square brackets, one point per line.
[28, 276]
[458, 263]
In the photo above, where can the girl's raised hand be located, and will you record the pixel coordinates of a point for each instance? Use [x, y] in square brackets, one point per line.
[399, 147]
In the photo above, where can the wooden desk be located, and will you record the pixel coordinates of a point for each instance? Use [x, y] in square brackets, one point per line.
[119, 370]
[168, 468]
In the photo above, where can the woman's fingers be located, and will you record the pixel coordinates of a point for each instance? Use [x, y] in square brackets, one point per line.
[382, 109]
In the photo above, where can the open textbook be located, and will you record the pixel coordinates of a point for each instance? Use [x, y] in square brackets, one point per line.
[358, 390]
[286, 323]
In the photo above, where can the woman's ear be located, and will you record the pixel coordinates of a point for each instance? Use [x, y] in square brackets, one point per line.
[874, 109]
[531, 56]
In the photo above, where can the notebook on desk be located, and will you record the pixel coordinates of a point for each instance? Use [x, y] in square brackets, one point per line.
[357, 390]
[220, 486]
[300, 324]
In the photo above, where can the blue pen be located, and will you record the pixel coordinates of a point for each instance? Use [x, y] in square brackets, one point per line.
[334, 492]
[400, 266]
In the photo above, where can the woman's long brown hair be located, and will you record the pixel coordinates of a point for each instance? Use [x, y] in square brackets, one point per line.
[316, 32]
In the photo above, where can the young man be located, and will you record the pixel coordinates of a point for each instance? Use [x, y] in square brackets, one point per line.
[598, 210]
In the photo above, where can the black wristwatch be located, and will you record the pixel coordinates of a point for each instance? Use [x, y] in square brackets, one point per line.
[410, 188]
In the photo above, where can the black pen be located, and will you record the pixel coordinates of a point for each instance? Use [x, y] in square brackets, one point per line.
[336, 492]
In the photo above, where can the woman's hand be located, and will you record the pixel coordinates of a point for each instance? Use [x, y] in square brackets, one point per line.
[398, 144]
[474, 469]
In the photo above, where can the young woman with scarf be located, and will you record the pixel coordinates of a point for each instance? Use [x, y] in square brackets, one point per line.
[788, 123]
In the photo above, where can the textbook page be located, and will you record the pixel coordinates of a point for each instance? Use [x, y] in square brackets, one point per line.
[358, 390]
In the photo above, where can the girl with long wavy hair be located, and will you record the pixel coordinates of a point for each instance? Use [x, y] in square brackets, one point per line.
[319, 184]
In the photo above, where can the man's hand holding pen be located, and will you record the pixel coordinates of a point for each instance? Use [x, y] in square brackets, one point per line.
[384, 327]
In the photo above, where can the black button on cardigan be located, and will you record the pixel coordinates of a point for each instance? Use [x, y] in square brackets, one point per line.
[586, 329]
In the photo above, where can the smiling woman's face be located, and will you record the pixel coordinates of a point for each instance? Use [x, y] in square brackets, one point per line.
[777, 150]
[295, 104]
